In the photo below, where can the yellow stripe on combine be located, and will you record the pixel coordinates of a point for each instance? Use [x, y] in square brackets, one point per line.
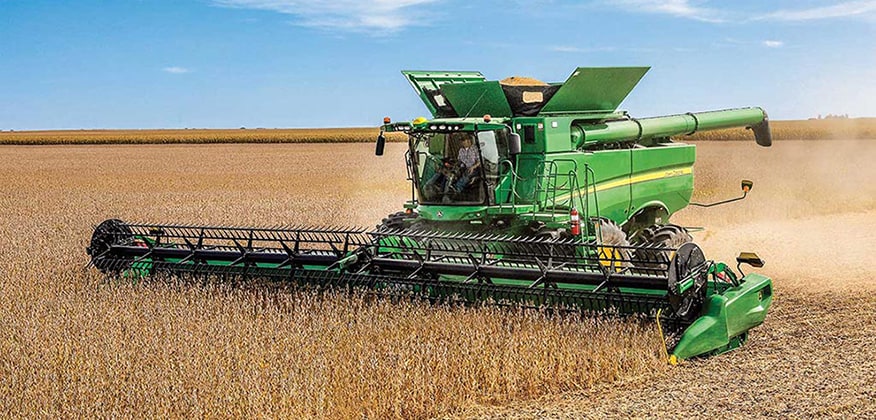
[648, 176]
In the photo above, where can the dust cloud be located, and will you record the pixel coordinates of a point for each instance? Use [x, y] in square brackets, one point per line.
[810, 214]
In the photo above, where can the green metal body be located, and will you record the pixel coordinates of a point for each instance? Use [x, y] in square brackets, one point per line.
[726, 318]
[576, 151]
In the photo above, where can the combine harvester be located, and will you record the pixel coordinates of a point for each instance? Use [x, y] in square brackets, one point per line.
[522, 192]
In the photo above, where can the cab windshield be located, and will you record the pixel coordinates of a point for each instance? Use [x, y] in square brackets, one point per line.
[460, 167]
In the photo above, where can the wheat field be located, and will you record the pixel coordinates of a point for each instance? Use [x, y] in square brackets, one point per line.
[74, 344]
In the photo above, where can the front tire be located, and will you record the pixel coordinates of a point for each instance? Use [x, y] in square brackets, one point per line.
[397, 221]
[659, 242]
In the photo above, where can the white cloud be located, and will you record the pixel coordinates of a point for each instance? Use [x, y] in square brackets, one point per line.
[382, 16]
[176, 70]
[772, 43]
[572, 49]
[845, 9]
[696, 10]
[680, 8]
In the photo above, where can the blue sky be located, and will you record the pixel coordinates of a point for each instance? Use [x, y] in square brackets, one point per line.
[290, 63]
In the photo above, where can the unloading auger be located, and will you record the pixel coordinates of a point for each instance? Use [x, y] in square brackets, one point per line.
[549, 198]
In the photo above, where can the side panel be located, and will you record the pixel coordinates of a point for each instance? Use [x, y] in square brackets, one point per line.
[595, 89]
[428, 83]
[612, 176]
[477, 99]
[726, 317]
[662, 174]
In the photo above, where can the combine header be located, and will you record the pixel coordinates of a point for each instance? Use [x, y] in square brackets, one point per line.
[522, 193]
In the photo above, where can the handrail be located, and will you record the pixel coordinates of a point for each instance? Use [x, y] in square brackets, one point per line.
[512, 196]
[590, 172]
[409, 164]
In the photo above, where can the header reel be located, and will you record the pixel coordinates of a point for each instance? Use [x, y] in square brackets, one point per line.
[568, 274]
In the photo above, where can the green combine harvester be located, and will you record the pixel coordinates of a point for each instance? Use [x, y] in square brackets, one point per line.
[522, 193]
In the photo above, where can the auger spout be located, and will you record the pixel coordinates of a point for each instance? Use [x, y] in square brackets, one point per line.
[638, 130]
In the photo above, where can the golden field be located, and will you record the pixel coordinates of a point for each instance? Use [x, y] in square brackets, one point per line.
[73, 344]
[854, 128]
[812, 217]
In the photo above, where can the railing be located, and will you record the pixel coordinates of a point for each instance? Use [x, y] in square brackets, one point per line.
[513, 196]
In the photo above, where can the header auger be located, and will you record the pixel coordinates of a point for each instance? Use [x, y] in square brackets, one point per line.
[530, 194]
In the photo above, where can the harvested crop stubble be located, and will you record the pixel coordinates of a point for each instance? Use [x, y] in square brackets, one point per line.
[813, 360]
[73, 344]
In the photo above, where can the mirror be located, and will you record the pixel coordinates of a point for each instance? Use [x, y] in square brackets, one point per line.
[514, 144]
[381, 142]
[750, 258]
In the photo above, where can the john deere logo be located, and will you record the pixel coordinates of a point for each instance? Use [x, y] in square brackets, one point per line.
[440, 213]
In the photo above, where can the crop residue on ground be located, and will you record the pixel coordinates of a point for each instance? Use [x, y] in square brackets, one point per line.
[72, 344]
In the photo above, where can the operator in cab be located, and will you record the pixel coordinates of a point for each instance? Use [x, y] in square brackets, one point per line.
[469, 159]
[454, 176]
